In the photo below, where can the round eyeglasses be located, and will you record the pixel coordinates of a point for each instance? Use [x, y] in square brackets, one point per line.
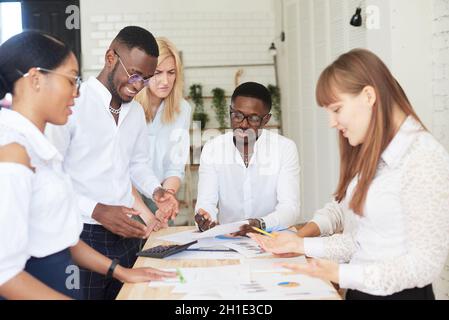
[253, 119]
[133, 78]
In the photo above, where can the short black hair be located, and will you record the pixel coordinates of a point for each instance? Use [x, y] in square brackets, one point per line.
[27, 50]
[137, 37]
[253, 90]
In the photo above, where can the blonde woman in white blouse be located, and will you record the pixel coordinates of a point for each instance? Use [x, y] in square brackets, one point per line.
[392, 201]
[39, 222]
[168, 118]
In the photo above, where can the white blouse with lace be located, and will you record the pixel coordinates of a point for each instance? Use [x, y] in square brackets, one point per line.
[38, 214]
[402, 240]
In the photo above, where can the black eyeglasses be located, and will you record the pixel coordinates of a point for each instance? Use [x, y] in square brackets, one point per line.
[133, 78]
[253, 119]
[78, 79]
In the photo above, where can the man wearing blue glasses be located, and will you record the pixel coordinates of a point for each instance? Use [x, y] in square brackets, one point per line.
[105, 150]
[250, 173]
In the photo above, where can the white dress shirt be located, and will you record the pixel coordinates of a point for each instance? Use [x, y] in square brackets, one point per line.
[38, 216]
[104, 159]
[170, 142]
[268, 188]
[402, 240]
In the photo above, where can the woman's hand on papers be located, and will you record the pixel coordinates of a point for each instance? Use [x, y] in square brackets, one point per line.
[280, 244]
[317, 268]
[141, 274]
[204, 220]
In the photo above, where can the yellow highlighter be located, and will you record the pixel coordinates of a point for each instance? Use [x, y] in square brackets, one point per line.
[264, 232]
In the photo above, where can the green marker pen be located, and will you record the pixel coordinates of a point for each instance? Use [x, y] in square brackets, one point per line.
[181, 277]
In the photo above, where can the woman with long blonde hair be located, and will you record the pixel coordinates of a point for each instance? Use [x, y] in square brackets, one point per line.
[391, 200]
[168, 117]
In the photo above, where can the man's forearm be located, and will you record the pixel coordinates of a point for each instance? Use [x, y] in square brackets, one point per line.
[139, 205]
[172, 183]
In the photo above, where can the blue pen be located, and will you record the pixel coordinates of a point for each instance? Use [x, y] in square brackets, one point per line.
[278, 229]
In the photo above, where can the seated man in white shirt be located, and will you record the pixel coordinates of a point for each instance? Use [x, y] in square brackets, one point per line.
[105, 149]
[250, 173]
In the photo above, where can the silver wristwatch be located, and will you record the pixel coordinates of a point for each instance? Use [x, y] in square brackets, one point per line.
[262, 224]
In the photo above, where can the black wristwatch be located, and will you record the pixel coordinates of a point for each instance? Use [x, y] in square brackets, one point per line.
[262, 224]
[112, 267]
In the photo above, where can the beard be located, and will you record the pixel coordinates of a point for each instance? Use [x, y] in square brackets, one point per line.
[111, 86]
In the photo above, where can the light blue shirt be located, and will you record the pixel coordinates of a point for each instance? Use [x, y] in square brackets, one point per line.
[169, 143]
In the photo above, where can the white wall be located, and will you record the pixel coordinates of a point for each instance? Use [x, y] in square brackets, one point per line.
[404, 42]
[208, 32]
[440, 83]
[317, 31]
[440, 77]
[411, 38]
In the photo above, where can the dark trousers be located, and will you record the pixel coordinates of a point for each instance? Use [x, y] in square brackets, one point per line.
[425, 293]
[97, 286]
[57, 271]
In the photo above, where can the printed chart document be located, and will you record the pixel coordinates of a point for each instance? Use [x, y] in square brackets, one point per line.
[200, 279]
[278, 287]
[247, 247]
[253, 279]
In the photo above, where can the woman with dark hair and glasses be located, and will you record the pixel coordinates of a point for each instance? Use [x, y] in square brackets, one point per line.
[250, 173]
[39, 223]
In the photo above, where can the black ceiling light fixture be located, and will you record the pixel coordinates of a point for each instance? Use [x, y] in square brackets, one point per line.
[356, 19]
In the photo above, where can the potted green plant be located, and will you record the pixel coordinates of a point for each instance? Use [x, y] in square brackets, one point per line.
[219, 105]
[276, 102]
[196, 94]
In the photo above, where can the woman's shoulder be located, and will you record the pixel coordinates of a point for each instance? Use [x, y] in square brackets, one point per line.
[185, 106]
[427, 149]
[14, 153]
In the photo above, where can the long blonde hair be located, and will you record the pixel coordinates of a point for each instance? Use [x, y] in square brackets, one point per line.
[350, 74]
[173, 101]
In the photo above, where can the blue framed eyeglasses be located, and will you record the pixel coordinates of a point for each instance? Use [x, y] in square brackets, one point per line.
[133, 78]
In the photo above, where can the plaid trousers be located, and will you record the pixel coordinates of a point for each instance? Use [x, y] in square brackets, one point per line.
[97, 286]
